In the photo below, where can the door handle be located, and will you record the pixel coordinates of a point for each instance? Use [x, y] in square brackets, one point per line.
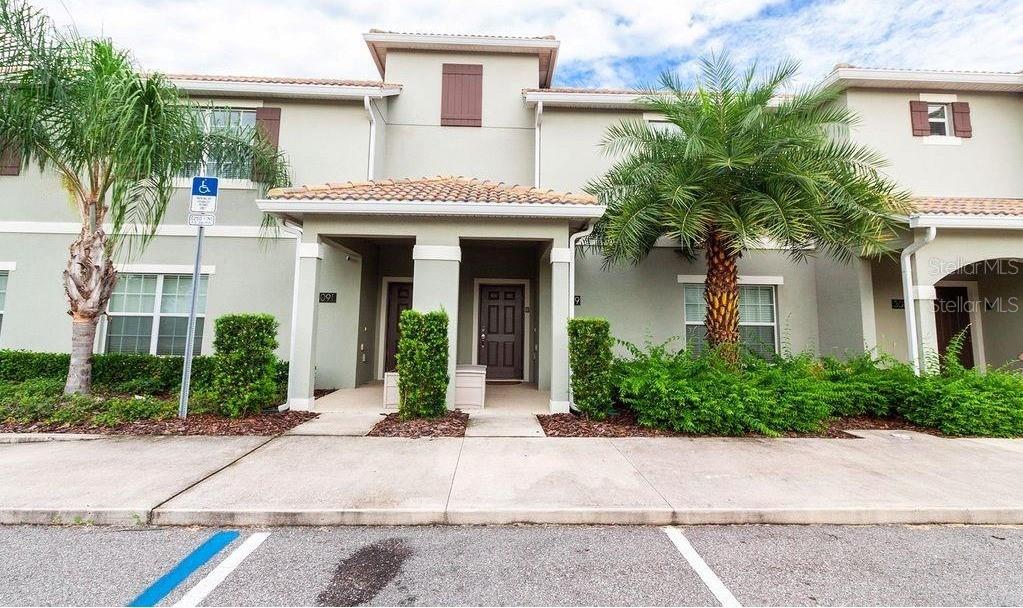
[483, 339]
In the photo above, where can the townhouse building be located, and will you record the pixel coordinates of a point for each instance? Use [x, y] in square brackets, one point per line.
[456, 182]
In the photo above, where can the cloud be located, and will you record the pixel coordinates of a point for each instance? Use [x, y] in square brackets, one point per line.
[604, 42]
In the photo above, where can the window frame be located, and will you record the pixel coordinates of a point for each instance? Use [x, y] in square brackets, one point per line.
[157, 313]
[771, 282]
[225, 183]
[946, 121]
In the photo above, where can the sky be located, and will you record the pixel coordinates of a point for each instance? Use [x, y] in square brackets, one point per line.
[604, 43]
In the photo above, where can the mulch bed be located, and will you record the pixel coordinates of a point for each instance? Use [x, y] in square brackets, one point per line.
[199, 424]
[451, 424]
[625, 425]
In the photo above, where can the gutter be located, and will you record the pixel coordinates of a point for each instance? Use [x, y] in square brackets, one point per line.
[908, 295]
[297, 231]
[370, 168]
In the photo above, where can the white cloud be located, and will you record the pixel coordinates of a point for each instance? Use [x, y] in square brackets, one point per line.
[323, 37]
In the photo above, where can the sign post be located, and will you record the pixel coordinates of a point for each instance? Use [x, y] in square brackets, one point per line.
[202, 213]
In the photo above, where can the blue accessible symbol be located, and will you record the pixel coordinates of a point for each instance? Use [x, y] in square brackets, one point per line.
[204, 186]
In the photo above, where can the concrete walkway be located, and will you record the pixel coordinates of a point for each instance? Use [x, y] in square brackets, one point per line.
[317, 479]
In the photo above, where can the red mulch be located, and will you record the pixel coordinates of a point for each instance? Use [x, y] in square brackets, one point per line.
[625, 425]
[451, 424]
[619, 425]
[197, 424]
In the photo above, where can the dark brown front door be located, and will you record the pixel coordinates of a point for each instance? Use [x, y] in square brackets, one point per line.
[501, 333]
[951, 316]
[399, 298]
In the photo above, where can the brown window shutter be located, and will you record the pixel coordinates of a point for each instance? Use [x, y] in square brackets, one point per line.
[461, 102]
[961, 119]
[268, 120]
[10, 160]
[918, 116]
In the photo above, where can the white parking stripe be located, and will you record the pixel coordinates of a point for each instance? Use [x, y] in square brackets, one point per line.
[217, 575]
[702, 569]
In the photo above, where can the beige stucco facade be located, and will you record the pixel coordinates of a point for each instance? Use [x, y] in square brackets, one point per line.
[530, 135]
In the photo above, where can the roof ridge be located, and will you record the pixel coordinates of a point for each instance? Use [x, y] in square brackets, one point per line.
[435, 188]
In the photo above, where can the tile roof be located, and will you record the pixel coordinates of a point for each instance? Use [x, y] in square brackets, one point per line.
[969, 206]
[435, 189]
[281, 80]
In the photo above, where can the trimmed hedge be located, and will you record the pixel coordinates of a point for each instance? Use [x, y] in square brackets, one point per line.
[591, 360]
[245, 368]
[133, 374]
[422, 364]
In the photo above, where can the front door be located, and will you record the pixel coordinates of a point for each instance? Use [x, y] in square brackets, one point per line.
[399, 298]
[501, 318]
[951, 316]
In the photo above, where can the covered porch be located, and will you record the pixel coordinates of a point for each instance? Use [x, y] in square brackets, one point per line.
[961, 273]
[497, 258]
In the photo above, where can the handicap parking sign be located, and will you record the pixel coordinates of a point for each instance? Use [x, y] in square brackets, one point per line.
[204, 195]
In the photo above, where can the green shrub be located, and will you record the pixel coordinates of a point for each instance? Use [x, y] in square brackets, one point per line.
[960, 401]
[422, 364]
[246, 368]
[876, 386]
[117, 410]
[591, 360]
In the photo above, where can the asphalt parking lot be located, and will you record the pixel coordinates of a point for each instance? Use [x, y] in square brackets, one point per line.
[517, 565]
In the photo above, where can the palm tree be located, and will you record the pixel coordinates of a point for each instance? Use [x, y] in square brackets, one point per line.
[116, 138]
[738, 163]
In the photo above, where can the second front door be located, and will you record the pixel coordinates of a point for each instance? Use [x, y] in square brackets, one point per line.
[500, 341]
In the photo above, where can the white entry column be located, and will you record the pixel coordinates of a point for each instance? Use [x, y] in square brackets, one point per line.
[561, 258]
[435, 287]
[302, 364]
[924, 297]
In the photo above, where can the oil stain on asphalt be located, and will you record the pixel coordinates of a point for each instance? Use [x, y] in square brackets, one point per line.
[365, 573]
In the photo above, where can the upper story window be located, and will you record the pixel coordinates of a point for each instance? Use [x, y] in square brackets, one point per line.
[943, 121]
[225, 119]
[938, 118]
[10, 160]
[461, 97]
[148, 313]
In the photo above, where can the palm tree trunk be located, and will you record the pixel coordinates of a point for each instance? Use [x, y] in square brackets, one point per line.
[88, 282]
[722, 297]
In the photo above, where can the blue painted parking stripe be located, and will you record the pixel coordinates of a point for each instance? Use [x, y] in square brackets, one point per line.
[202, 554]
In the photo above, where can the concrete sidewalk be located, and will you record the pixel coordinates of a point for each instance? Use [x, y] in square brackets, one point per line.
[883, 477]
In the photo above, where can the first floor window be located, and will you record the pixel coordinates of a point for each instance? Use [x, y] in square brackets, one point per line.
[757, 318]
[148, 313]
[3, 296]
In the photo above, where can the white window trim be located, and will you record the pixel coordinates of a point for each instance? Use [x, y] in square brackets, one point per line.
[772, 281]
[156, 314]
[224, 183]
[163, 269]
[5, 269]
[8, 266]
[949, 139]
[744, 279]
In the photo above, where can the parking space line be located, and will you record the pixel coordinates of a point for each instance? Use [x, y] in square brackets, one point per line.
[177, 575]
[210, 582]
[707, 575]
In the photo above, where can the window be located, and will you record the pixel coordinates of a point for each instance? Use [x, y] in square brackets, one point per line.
[225, 119]
[142, 302]
[3, 296]
[461, 102]
[757, 317]
[938, 118]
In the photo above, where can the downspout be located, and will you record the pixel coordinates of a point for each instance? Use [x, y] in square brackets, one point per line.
[371, 162]
[536, 143]
[909, 298]
[296, 230]
[573, 242]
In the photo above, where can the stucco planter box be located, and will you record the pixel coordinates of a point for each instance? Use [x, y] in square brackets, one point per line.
[470, 387]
